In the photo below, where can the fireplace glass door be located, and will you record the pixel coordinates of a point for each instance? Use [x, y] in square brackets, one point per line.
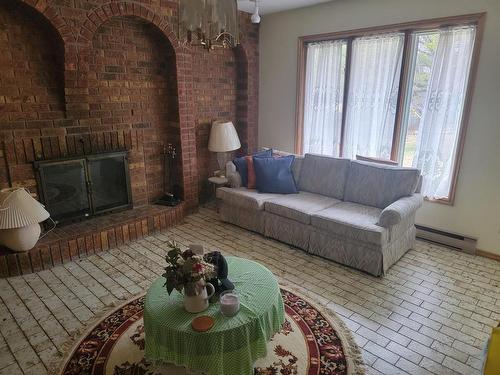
[65, 189]
[81, 187]
[107, 178]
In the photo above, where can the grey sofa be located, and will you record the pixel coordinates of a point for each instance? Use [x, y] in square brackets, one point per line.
[356, 213]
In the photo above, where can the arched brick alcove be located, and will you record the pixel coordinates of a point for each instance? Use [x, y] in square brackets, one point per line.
[31, 88]
[229, 103]
[134, 87]
[42, 7]
[84, 77]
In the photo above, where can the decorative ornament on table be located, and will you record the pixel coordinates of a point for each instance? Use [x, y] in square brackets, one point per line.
[220, 282]
[202, 323]
[188, 273]
[229, 303]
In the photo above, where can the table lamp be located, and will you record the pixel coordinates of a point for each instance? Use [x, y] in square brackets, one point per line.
[223, 139]
[20, 215]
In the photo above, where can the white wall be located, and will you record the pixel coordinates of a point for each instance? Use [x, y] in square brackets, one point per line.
[476, 211]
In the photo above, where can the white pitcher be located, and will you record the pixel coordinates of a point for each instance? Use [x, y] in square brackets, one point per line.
[199, 301]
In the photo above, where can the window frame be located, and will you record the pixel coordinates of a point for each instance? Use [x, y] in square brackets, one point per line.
[477, 19]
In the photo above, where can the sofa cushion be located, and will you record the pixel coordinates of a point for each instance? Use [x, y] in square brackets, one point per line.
[274, 175]
[251, 178]
[242, 165]
[324, 175]
[242, 197]
[352, 220]
[299, 207]
[379, 185]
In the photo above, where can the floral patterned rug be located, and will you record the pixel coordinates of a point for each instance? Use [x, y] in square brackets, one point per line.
[311, 341]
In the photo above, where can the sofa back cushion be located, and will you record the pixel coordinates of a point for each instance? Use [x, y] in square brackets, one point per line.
[324, 175]
[297, 166]
[251, 179]
[379, 185]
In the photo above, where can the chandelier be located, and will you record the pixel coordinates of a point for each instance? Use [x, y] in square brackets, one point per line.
[209, 23]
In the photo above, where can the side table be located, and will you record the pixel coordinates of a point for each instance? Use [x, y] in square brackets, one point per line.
[217, 182]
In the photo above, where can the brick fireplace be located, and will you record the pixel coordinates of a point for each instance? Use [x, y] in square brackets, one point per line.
[87, 77]
[78, 188]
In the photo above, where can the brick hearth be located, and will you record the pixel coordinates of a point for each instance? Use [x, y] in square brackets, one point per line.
[78, 240]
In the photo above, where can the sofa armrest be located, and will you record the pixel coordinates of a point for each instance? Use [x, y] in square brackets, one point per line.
[232, 175]
[396, 211]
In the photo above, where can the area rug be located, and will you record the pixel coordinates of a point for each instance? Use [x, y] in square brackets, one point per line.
[311, 341]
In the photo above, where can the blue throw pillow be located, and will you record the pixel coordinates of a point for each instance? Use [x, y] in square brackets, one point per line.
[274, 175]
[241, 165]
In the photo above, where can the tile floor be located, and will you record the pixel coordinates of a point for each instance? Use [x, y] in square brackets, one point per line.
[431, 313]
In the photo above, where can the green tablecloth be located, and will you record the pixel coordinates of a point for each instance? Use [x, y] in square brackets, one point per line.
[233, 344]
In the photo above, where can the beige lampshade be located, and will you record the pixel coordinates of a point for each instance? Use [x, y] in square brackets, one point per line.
[223, 137]
[19, 209]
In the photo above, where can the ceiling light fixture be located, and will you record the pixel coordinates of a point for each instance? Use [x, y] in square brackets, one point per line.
[255, 16]
[209, 23]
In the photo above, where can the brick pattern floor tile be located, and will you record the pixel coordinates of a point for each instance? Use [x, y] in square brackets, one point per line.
[431, 314]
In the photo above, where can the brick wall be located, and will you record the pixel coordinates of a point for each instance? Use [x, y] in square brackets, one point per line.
[86, 76]
[136, 88]
[215, 70]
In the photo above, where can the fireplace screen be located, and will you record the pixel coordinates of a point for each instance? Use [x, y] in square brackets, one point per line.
[82, 187]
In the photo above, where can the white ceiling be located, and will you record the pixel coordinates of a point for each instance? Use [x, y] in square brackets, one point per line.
[273, 6]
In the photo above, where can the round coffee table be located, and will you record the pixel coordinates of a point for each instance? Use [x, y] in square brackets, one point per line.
[233, 344]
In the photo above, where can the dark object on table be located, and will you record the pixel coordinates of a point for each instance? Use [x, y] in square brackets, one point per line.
[221, 283]
[170, 189]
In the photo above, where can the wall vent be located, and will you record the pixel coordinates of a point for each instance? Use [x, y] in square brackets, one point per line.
[450, 239]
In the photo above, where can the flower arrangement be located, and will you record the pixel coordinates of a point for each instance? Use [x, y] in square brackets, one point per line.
[186, 271]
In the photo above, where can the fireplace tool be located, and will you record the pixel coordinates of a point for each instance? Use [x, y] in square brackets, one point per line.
[169, 197]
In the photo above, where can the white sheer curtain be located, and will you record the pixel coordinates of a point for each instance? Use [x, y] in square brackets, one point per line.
[439, 126]
[324, 92]
[373, 90]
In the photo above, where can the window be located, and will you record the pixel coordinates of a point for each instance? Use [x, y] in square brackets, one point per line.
[393, 93]
[325, 94]
[373, 91]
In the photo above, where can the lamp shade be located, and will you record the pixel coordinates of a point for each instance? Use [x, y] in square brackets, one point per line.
[223, 137]
[19, 209]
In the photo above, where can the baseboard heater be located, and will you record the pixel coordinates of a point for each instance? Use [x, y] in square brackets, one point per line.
[450, 239]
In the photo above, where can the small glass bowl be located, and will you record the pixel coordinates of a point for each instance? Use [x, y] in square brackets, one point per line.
[229, 303]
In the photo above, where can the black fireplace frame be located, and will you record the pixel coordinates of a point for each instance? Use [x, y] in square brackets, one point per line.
[84, 159]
